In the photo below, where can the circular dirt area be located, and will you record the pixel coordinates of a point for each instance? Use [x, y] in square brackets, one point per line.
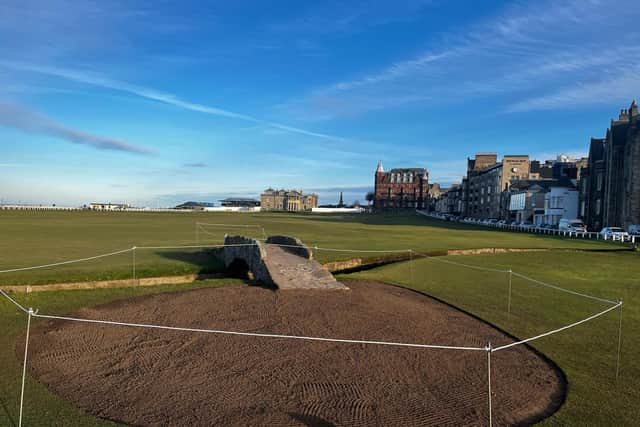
[155, 377]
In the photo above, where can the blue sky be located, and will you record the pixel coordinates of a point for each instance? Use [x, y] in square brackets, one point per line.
[161, 102]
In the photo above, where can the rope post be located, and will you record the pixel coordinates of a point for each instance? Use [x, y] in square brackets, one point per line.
[489, 350]
[619, 344]
[24, 366]
[509, 299]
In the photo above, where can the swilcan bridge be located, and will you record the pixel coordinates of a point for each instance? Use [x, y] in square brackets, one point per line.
[280, 261]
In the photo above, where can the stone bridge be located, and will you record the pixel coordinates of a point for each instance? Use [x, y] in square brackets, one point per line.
[281, 261]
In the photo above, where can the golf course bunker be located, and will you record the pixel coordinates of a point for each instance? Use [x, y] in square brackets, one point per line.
[159, 377]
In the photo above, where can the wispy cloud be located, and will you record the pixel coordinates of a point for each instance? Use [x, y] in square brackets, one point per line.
[158, 96]
[26, 120]
[610, 88]
[195, 165]
[527, 49]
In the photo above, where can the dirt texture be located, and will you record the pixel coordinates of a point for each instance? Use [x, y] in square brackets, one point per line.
[154, 377]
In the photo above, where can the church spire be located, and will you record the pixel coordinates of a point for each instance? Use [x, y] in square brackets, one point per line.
[380, 168]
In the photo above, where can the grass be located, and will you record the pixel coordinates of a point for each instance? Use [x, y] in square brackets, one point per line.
[586, 353]
[42, 237]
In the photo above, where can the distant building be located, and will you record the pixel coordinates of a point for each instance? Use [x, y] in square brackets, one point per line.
[610, 191]
[450, 200]
[406, 188]
[194, 206]
[108, 206]
[560, 202]
[287, 200]
[487, 179]
[541, 201]
[239, 202]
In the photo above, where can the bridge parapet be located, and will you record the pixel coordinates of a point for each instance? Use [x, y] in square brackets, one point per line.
[292, 245]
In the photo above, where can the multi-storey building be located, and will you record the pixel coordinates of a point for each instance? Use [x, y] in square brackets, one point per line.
[450, 200]
[487, 179]
[287, 200]
[611, 188]
[406, 188]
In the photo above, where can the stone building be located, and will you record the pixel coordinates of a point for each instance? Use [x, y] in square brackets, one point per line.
[611, 188]
[406, 188]
[450, 200]
[487, 179]
[287, 200]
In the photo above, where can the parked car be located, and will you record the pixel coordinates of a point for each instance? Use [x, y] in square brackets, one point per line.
[634, 229]
[613, 233]
[575, 225]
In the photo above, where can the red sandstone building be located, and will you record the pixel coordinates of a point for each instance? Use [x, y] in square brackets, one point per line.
[401, 188]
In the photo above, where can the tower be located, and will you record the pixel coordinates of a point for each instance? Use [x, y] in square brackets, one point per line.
[379, 177]
[341, 202]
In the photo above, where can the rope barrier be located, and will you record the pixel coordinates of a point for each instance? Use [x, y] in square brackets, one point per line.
[199, 225]
[196, 246]
[66, 262]
[13, 301]
[522, 276]
[546, 334]
[257, 334]
[474, 267]
[558, 288]
[361, 250]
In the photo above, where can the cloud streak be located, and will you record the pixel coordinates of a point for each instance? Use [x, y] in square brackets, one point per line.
[26, 120]
[533, 55]
[158, 96]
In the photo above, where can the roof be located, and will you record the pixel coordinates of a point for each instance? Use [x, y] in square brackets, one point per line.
[404, 170]
[239, 199]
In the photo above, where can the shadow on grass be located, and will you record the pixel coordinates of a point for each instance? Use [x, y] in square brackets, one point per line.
[207, 261]
[211, 261]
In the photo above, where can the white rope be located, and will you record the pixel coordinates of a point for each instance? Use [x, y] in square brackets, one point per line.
[13, 301]
[360, 250]
[196, 246]
[559, 329]
[66, 262]
[522, 276]
[201, 224]
[558, 288]
[256, 334]
[475, 267]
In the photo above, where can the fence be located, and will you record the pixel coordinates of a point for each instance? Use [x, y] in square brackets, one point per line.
[591, 235]
[414, 256]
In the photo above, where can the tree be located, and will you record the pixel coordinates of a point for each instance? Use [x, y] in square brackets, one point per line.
[370, 197]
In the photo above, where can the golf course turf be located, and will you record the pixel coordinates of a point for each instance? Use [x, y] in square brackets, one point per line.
[586, 354]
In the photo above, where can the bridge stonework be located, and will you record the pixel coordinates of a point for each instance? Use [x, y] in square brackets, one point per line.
[281, 261]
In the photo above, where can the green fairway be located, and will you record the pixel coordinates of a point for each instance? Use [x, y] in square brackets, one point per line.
[42, 237]
[586, 353]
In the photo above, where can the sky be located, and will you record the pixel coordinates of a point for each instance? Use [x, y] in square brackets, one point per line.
[156, 103]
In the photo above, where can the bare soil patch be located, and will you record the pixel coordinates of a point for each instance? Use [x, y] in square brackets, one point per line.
[153, 377]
